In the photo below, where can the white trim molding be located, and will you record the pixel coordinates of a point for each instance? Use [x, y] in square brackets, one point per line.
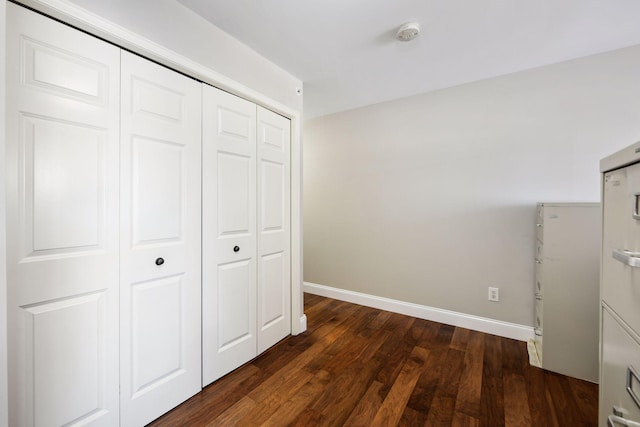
[302, 325]
[468, 321]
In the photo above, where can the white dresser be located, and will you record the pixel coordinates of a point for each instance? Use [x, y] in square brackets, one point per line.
[620, 290]
[566, 289]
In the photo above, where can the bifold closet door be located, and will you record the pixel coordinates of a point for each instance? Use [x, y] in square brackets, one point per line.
[274, 228]
[160, 295]
[62, 223]
[246, 231]
[228, 233]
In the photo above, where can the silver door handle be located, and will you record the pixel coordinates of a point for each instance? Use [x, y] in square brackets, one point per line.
[631, 374]
[615, 421]
[629, 258]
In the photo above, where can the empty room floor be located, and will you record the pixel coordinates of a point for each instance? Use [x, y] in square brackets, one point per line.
[361, 366]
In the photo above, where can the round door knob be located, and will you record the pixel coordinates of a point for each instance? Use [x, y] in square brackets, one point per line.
[159, 261]
[236, 248]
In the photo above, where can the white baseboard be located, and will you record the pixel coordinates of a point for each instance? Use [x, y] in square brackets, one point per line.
[482, 324]
[302, 324]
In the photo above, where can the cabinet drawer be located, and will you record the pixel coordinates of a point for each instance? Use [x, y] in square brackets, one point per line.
[621, 289]
[620, 362]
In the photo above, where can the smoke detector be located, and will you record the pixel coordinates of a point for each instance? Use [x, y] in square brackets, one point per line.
[408, 31]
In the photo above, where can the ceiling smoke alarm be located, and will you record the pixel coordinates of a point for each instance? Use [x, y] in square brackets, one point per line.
[408, 31]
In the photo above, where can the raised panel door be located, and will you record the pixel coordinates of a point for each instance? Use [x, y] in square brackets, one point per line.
[273, 224]
[160, 240]
[62, 223]
[229, 233]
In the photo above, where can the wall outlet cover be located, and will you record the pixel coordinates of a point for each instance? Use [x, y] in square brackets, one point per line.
[494, 294]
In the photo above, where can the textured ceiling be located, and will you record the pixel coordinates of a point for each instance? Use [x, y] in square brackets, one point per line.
[346, 54]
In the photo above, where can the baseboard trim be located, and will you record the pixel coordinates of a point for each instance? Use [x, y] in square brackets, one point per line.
[302, 325]
[477, 323]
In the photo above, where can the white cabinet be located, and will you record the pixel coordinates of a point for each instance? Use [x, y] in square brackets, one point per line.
[566, 288]
[620, 288]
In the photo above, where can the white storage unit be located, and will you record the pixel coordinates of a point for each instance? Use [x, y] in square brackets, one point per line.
[566, 288]
[620, 290]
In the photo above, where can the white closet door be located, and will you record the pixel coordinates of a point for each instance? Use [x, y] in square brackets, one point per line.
[229, 233]
[160, 240]
[62, 232]
[274, 225]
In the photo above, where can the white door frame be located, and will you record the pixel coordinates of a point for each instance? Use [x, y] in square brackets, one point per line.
[93, 24]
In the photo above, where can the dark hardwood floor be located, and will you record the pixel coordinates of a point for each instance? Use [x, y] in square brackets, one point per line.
[360, 366]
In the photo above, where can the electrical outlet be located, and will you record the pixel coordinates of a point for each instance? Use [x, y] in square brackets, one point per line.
[494, 294]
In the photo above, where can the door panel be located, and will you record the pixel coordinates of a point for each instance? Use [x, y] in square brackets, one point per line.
[160, 240]
[235, 192]
[272, 278]
[155, 306]
[235, 289]
[155, 166]
[79, 323]
[65, 183]
[63, 73]
[229, 236]
[274, 225]
[62, 223]
[273, 189]
[156, 102]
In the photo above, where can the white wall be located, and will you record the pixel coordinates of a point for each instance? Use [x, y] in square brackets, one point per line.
[431, 199]
[172, 25]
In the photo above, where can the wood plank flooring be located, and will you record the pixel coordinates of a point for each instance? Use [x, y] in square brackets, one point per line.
[359, 366]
